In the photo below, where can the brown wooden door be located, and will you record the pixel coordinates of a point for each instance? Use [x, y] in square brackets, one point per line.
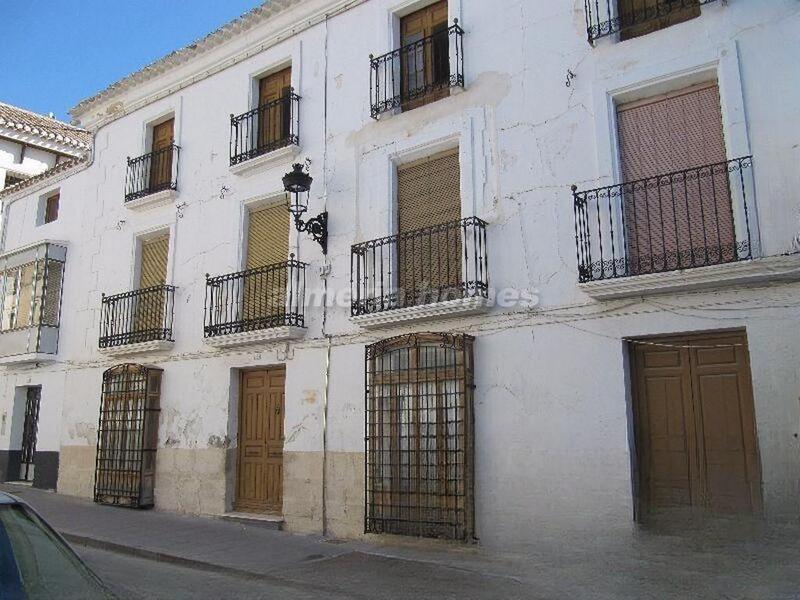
[681, 221]
[274, 118]
[429, 263]
[161, 161]
[259, 485]
[425, 66]
[695, 425]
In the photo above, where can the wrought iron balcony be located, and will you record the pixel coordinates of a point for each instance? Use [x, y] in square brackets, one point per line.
[152, 172]
[269, 127]
[426, 266]
[256, 299]
[417, 73]
[631, 18]
[137, 317]
[30, 301]
[681, 220]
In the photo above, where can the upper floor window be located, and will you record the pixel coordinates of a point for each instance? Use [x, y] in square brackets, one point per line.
[634, 18]
[51, 207]
[425, 67]
[156, 171]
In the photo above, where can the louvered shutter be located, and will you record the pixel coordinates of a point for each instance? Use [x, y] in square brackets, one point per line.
[428, 198]
[268, 236]
[667, 134]
[154, 262]
[264, 294]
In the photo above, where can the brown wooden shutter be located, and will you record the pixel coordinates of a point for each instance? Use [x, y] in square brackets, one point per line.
[429, 194]
[153, 270]
[268, 236]
[424, 65]
[161, 161]
[51, 208]
[273, 121]
[640, 17]
[667, 134]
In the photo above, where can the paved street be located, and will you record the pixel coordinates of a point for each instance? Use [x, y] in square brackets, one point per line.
[150, 554]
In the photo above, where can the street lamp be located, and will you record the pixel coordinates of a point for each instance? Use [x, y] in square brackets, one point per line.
[298, 183]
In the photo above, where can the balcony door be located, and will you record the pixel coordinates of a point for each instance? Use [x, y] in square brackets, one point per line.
[264, 293]
[30, 429]
[428, 253]
[274, 117]
[152, 274]
[686, 219]
[425, 61]
[161, 158]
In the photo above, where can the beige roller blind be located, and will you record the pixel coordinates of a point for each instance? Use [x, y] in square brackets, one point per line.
[268, 236]
[154, 262]
[429, 192]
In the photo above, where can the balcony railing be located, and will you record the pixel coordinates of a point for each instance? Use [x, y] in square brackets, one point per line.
[153, 172]
[418, 72]
[426, 266]
[636, 17]
[681, 220]
[256, 299]
[137, 317]
[271, 126]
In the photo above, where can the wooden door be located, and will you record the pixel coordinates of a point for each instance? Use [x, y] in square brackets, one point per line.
[274, 117]
[152, 274]
[682, 221]
[640, 17]
[429, 263]
[695, 425]
[424, 65]
[259, 483]
[161, 158]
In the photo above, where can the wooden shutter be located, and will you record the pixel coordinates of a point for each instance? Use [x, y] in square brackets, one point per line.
[153, 269]
[51, 208]
[274, 119]
[429, 194]
[161, 161]
[425, 66]
[640, 17]
[666, 134]
[268, 236]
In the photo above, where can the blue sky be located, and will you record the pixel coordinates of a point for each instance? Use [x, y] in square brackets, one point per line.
[58, 52]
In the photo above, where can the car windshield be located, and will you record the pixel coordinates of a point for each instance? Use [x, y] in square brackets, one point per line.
[35, 563]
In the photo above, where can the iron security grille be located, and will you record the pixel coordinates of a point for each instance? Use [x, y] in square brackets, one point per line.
[434, 264]
[402, 77]
[636, 17]
[686, 219]
[137, 317]
[29, 433]
[127, 436]
[419, 436]
[255, 299]
[270, 126]
[152, 172]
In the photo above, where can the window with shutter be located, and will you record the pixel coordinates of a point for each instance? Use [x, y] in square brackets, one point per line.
[51, 208]
[425, 67]
[640, 17]
[161, 157]
[429, 257]
[274, 116]
[264, 293]
[152, 273]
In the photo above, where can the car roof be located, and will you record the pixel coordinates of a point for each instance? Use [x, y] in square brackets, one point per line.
[6, 498]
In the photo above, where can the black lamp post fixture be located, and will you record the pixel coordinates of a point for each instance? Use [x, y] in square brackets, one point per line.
[298, 182]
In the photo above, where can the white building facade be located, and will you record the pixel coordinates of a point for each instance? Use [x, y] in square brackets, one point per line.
[481, 351]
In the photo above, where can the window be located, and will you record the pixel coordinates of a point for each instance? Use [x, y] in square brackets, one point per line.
[274, 110]
[419, 444]
[161, 157]
[640, 17]
[31, 295]
[51, 208]
[425, 66]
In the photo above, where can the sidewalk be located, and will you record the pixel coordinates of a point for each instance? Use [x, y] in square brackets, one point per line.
[697, 565]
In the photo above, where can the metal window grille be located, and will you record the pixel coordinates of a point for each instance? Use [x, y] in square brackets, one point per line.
[419, 436]
[138, 316]
[630, 18]
[127, 436]
[410, 75]
[691, 218]
[270, 126]
[255, 299]
[152, 172]
[29, 433]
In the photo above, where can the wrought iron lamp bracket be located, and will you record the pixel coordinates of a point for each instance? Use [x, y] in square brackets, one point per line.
[317, 227]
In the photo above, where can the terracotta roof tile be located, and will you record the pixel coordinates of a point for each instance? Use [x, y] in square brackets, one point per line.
[47, 128]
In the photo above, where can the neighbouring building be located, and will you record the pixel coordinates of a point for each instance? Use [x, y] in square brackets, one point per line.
[534, 274]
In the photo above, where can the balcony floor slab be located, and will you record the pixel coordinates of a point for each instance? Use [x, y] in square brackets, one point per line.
[425, 312]
[140, 348]
[246, 338]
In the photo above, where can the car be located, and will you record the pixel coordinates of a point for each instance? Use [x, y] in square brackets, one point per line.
[36, 562]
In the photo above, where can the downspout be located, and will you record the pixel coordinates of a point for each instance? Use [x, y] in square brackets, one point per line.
[325, 272]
